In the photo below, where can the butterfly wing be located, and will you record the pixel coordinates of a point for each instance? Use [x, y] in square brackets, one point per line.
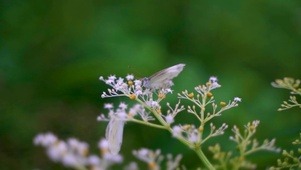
[114, 133]
[159, 79]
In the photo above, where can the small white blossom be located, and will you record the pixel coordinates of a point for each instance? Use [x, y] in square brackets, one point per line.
[108, 106]
[143, 152]
[168, 90]
[103, 95]
[255, 123]
[130, 77]
[135, 109]
[214, 83]
[101, 117]
[131, 166]
[138, 92]
[213, 79]
[120, 81]
[177, 131]
[112, 78]
[138, 82]
[123, 106]
[56, 152]
[103, 144]
[169, 119]
[70, 160]
[148, 156]
[194, 136]
[113, 157]
[237, 99]
[173, 164]
[79, 147]
[45, 139]
[153, 104]
[94, 160]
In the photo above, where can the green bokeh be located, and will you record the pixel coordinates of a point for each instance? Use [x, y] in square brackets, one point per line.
[52, 53]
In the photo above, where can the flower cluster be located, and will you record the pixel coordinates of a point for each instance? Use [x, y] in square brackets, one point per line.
[74, 154]
[291, 158]
[125, 114]
[149, 94]
[154, 159]
[245, 145]
[243, 140]
[194, 135]
[132, 89]
[149, 108]
[292, 85]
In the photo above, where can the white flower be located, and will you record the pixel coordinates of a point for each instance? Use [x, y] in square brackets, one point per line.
[94, 160]
[176, 131]
[135, 109]
[255, 123]
[169, 119]
[101, 117]
[80, 147]
[108, 106]
[237, 99]
[113, 158]
[148, 156]
[120, 81]
[130, 77]
[123, 106]
[138, 82]
[45, 139]
[213, 79]
[132, 166]
[143, 152]
[103, 144]
[153, 104]
[168, 90]
[71, 160]
[194, 136]
[112, 78]
[56, 152]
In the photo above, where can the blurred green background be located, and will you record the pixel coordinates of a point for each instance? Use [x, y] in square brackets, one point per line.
[52, 53]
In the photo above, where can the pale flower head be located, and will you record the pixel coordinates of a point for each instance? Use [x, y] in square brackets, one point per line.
[130, 77]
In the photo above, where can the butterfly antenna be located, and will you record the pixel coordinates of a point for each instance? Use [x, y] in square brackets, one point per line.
[136, 71]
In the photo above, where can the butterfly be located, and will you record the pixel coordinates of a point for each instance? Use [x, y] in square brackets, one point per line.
[114, 134]
[162, 79]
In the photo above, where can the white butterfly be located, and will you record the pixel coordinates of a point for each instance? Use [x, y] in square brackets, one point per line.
[162, 79]
[114, 133]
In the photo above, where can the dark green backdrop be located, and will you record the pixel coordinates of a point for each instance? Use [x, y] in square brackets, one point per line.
[52, 53]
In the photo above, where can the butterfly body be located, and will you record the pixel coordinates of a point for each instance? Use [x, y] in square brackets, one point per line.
[162, 79]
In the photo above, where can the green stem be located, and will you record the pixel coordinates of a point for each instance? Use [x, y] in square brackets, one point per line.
[147, 123]
[203, 158]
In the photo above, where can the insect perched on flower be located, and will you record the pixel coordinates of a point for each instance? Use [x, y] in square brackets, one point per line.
[114, 131]
[162, 79]
[114, 134]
